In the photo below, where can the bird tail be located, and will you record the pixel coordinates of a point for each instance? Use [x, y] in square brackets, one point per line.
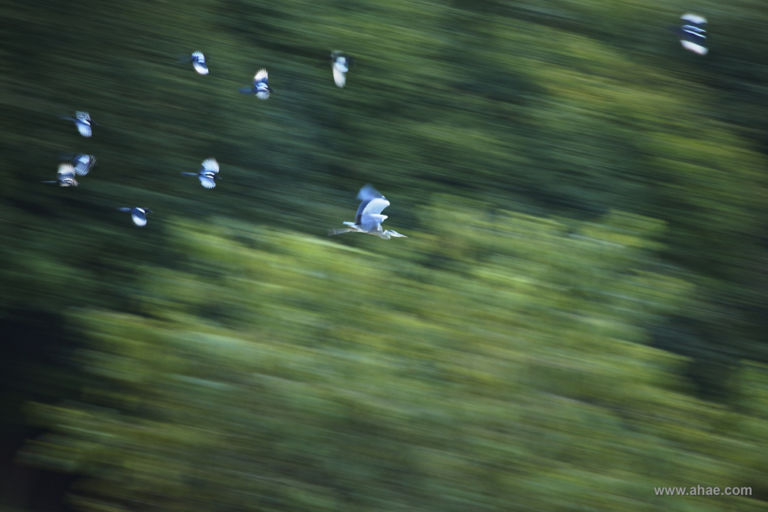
[332, 232]
[187, 173]
[49, 182]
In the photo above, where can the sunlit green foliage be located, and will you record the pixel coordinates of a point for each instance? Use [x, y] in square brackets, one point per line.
[577, 316]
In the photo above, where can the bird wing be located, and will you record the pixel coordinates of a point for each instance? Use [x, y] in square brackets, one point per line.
[210, 164]
[84, 129]
[261, 76]
[207, 182]
[375, 206]
[83, 164]
[693, 47]
[339, 77]
[367, 193]
[138, 217]
[66, 171]
[694, 18]
[200, 67]
[369, 210]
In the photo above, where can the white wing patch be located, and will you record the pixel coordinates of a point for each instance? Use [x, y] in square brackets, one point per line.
[339, 76]
[207, 182]
[375, 206]
[210, 164]
[695, 48]
[139, 218]
[84, 129]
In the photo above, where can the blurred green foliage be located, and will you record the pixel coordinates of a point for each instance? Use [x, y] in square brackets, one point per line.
[577, 316]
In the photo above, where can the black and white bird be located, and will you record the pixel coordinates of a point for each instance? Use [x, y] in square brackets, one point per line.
[138, 215]
[198, 63]
[83, 163]
[693, 33]
[83, 123]
[207, 173]
[368, 218]
[340, 66]
[260, 85]
[65, 177]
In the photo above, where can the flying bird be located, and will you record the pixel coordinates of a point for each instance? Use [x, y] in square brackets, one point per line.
[138, 215]
[207, 173]
[260, 85]
[368, 218]
[65, 177]
[83, 123]
[693, 33]
[83, 163]
[340, 66]
[198, 63]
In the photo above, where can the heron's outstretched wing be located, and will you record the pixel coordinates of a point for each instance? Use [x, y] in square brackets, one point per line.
[370, 217]
[367, 193]
[374, 206]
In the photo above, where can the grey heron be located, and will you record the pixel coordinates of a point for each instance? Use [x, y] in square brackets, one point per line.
[368, 218]
[207, 173]
[138, 215]
[260, 85]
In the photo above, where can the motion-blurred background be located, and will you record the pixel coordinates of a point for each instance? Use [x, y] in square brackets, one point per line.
[578, 314]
